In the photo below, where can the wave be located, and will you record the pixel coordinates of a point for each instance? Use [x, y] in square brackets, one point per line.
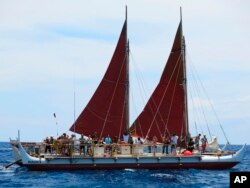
[161, 175]
[129, 170]
[5, 149]
[7, 170]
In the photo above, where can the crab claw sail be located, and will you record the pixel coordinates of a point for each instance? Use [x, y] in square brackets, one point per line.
[166, 111]
[107, 111]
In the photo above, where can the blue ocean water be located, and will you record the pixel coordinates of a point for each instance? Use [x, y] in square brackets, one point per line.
[21, 177]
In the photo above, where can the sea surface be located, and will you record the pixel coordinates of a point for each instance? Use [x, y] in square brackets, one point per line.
[16, 176]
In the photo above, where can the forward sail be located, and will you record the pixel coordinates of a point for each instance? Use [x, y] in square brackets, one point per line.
[106, 112]
[166, 110]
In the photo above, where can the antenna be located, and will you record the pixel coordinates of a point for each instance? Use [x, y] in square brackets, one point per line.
[18, 136]
[126, 13]
[180, 13]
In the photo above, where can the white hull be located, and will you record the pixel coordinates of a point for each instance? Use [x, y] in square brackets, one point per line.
[158, 161]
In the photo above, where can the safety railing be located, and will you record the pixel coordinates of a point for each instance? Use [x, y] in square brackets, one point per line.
[73, 150]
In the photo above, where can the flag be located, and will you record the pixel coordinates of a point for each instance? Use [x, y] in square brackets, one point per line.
[54, 115]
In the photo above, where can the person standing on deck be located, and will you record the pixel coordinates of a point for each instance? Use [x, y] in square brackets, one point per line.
[94, 138]
[183, 144]
[166, 142]
[126, 136]
[82, 144]
[130, 142]
[139, 141]
[47, 145]
[197, 141]
[174, 140]
[155, 139]
[191, 144]
[204, 143]
[148, 143]
[51, 142]
[72, 145]
[108, 142]
[89, 143]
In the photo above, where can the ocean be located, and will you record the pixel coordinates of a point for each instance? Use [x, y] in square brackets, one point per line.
[16, 176]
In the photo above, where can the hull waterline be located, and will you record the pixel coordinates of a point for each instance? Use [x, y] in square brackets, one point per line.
[203, 166]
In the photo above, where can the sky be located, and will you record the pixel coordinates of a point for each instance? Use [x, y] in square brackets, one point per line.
[50, 50]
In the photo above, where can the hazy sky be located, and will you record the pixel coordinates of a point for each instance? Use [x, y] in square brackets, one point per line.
[49, 49]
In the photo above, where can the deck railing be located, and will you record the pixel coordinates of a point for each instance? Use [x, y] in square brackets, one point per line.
[71, 150]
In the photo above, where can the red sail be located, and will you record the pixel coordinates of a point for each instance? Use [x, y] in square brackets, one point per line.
[165, 113]
[106, 111]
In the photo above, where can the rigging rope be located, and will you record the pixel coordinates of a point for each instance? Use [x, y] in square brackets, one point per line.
[214, 111]
[158, 107]
[196, 114]
[172, 98]
[112, 97]
[140, 78]
[123, 110]
[154, 103]
[196, 130]
[202, 109]
[202, 86]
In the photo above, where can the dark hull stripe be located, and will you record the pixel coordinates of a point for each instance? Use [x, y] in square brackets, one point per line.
[205, 165]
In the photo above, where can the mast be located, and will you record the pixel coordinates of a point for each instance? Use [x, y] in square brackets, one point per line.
[127, 76]
[183, 52]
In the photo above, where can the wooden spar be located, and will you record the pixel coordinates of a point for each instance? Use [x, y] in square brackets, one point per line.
[183, 51]
[10, 164]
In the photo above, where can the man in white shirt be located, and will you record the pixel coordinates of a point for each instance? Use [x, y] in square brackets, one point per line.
[174, 140]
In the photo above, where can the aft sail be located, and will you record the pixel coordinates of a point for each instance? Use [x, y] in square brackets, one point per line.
[166, 110]
[107, 111]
